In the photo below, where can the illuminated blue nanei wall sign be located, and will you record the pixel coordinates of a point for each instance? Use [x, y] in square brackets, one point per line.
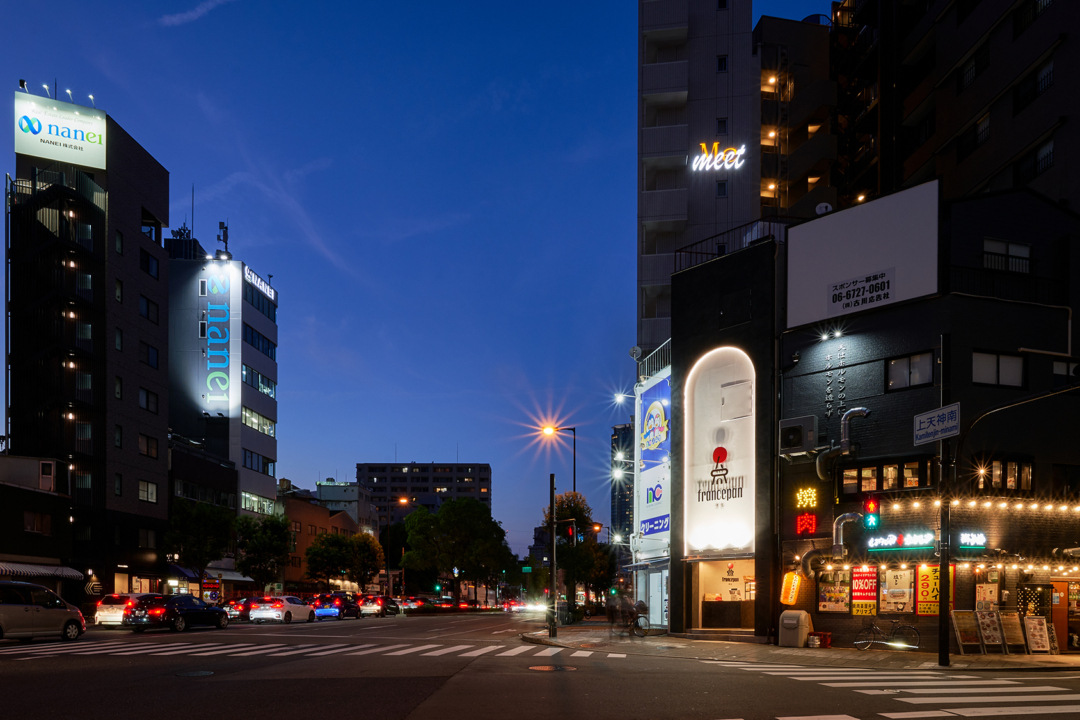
[217, 340]
[264, 287]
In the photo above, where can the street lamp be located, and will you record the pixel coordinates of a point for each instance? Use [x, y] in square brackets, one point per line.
[550, 430]
[403, 501]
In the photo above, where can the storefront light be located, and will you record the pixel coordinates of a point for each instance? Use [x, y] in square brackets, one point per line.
[1019, 506]
[1049, 507]
[796, 557]
[896, 506]
[1033, 506]
[915, 504]
[903, 566]
[925, 566]
[1031, 567]
[937, 503]
[1061, 567]
[965, 565]
[987, 504]
[847, 567]
[1003, 505]
[1076, 509]
[1015, 567]
[1063, 507]
[972, 503]
[955, 502]
[865, 568]
[883, 567]
[1046, 567]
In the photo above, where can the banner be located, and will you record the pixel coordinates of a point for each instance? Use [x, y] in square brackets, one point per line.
[864, 582]
[928, 589]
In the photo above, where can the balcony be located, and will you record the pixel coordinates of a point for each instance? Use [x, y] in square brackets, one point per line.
[812, 157]
[805, 104]
[806, 206]
[663, 206]
[664, 82]
[1006, 284]
[670, 140]
[656, 269]
[663, 15]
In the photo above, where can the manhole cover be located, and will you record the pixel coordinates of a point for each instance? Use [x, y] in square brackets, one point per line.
[551, 668]
[195, 673]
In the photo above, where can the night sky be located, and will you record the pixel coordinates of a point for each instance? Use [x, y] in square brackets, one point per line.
[444, 194]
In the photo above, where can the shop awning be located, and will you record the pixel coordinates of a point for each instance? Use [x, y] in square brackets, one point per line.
[28, 570]
[181, 571]
[647, 563]
[228, 575]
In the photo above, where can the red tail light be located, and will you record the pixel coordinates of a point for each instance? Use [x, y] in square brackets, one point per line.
[254, 605]
[157, 611]
[379, 603]
[337, 601]
[130, 603]
[99, 603]
[315, 604]
[279, 605]
[267, 599]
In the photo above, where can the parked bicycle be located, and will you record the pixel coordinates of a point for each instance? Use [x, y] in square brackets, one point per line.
[636, 619]
[902, 637]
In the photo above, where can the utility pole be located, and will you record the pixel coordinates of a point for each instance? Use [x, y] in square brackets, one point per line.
[553, 629]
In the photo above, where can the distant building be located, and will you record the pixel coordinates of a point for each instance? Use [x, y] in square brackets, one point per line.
[397, 490]
[622, 489]
[541, 546]
[351, 497]
[309, 520]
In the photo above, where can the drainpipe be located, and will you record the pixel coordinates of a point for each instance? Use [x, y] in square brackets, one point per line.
[838, 534]
[844, 448]
[804, 568]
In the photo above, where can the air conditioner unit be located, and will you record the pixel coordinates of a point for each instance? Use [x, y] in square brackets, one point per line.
[798, 435]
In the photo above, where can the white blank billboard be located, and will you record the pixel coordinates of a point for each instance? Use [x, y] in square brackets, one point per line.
[870, 255]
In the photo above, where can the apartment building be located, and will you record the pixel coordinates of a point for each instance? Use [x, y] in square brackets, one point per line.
[397, 490]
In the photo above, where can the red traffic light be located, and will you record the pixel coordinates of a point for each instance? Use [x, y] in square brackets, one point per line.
[570, 531]
[871, 506]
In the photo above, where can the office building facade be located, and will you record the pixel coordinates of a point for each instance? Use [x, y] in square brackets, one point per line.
[353, 498]
[88, 341]
[397, 490]
[223, 365]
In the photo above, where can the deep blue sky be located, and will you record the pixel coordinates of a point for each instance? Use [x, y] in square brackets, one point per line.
[444, 194]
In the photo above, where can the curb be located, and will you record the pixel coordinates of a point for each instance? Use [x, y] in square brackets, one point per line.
[542, 641]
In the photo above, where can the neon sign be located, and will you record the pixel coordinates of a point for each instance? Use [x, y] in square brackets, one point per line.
[806, 523]
[973, 540]
[806, 498]
[264, 287]
[921, 540]
[718, 159]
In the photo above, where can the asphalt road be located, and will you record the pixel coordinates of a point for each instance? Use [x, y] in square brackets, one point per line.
[475, 667]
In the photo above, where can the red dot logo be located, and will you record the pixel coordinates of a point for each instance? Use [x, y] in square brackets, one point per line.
[731, 566]
[719, 455]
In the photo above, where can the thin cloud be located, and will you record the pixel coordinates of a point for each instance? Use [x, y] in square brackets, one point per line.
[191, 15]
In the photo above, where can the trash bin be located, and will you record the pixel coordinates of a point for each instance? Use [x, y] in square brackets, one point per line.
[794, 628]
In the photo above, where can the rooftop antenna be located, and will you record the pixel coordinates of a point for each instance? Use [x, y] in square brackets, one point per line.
[193, 210]
[223, 236]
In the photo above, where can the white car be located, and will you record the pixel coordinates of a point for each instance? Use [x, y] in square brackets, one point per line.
[282, 609]
[110, 609]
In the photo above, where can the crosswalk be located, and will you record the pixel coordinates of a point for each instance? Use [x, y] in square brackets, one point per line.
[934, 693]
[119, 648]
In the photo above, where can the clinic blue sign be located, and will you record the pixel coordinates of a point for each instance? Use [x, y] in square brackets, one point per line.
[655, 525]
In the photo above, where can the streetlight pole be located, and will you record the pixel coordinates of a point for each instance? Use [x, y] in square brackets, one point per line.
[551, 430]
[553, 630]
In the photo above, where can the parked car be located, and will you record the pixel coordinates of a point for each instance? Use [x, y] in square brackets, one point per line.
[379, 605]
[110, 609]
[445, 602]
[282, 609]
[239, 609]
[514, 606]
[28, 611]
[176, 612]
[336, 605]
[468, 605]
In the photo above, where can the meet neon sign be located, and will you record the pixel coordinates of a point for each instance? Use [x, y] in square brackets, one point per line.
[717, 159]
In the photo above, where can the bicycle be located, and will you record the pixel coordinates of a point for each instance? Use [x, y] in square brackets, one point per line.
[902, 637]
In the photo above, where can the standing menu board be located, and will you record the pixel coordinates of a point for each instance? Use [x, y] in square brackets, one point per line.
[1012, 630]
[990, 629]
[928, 589]
[1038, 640]
[967, 631]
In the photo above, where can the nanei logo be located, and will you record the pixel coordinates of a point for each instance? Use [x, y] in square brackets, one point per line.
[717, 159]
[217, 342]
[32, 125]
[264, 287]
[218, 284]
[29, 125]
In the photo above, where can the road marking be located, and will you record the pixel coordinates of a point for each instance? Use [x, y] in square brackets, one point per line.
[84, 649]
[299, 649]
[919, 714]
[515, 651]
[817, 717]
[582, 653]
[999, 699]
[225, 650]
[380, 648]
[616, 655]
[926, 683]
[59, 647]
[265, 649]
[152, 648]
[1038, 688]
[335, 651]
[200, 646]
[480, 651]
[418, 648]
[871, 676]
[1045, 710]
[548, 652]
[445, 651]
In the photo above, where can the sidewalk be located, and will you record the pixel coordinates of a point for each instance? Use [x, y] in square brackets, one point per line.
[596, 636]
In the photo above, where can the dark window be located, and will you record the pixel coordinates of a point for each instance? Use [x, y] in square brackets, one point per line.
[148, 231]
[148, 541]
[119, 243]
[1004, 255]
[119, 389]
[993, 369]
[118, 436]
[973, 137]
[119, 343]
[258, 341]
[148, 354]
[721, 63]
[202, 287]
[721, 126]
[147, 491]
[1035, 163]
[148, 400]
[254, 297]
[1034, 84]
[311, 529]
[721, 4]
[35, 522]
[721, 188]
[1028, 12]
[148, 446]
[973, 67]
[119, 291]
[148, 309]
[911, 371]
[118, 484]
[148, 263]
[1066, 373]
[258, 463]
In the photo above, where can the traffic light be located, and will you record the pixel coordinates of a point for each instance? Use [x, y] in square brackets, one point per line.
[613, 591]
[438, 587]
[597, 527]
[871, 514]
[571, 532]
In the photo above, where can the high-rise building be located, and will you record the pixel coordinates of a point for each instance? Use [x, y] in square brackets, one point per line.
[397, 490]
[622, 480]
[87, 330]
[223, 363]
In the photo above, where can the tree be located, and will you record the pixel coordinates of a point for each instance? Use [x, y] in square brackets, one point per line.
[575, 559]
[461, 535]
[199, 533]
[264, 545]
[332, 556]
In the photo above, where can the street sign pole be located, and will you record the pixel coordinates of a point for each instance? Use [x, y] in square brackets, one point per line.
[553, 630]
